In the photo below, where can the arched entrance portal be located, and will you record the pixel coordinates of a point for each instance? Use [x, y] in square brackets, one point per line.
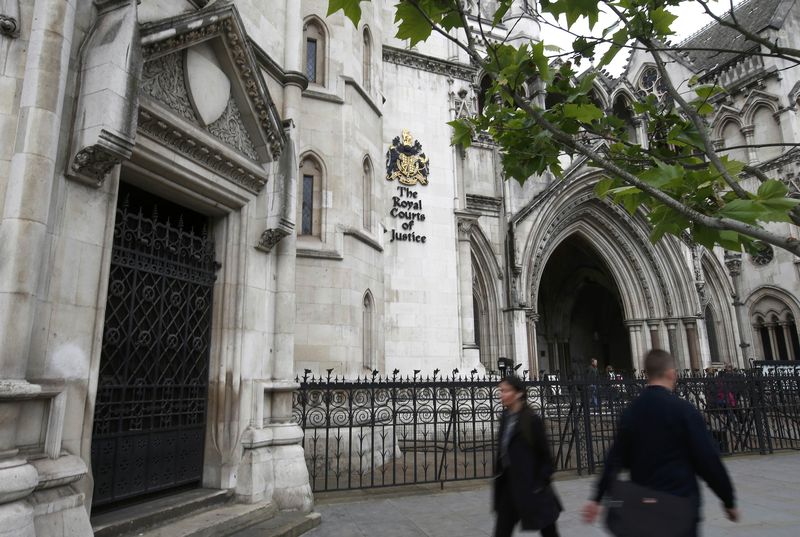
[580, 310]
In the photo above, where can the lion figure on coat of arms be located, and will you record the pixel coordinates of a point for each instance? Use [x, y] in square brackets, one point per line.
[406, 162]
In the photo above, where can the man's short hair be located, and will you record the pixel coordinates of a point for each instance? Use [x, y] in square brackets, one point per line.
[657, 362]
[515, 382]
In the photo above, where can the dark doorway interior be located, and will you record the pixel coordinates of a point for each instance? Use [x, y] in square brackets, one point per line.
[581, 312]
[150, 411]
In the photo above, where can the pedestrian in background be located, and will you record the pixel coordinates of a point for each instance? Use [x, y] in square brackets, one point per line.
[524, 467]
[591, 376]
[665, 444]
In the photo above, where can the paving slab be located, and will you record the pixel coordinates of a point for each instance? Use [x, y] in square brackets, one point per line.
[767, 488]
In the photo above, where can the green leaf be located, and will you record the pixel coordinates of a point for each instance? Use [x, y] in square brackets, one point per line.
[462, 133]
[619, 38]
[540, 60]
[412, 24]
[585, 113]
[500, 13]
[747, 211]
[662, 21]
[351, 9]
[708, 91]
[603, 186]
[772, 189]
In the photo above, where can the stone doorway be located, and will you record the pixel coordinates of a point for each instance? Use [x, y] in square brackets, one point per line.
[150, 410]
[581, 312]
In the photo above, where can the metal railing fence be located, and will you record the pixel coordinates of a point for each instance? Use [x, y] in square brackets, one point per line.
[388, 431]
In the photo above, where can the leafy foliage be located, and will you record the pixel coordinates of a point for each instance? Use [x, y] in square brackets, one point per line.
[674, 176]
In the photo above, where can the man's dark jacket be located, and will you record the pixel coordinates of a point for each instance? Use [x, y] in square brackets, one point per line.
[530, 467]
[664, 442]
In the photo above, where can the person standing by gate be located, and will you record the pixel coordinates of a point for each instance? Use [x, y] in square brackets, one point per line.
[524, 467]
[664, 442]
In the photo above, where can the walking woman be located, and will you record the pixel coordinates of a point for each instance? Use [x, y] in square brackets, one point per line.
[524, 467]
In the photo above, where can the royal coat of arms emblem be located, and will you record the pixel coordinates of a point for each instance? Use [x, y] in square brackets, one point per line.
[406, 162]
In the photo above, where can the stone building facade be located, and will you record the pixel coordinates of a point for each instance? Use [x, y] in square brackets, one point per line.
[202, 199]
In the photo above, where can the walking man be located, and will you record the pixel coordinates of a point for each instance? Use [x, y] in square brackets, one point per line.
[665, 444]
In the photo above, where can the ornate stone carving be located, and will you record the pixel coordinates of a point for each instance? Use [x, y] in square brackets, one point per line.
[193, 148]
[95, 162]
[733, 261]
[463, 100]
[230, 129]
[163, 80]
[415, 60]
[484, 204]
[271, 237]
[222, 21]
[9, 18]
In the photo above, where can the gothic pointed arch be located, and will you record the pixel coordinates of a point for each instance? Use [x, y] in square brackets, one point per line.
[716, 292]
[310, 185]
[366, 59]
[368, 331]
[486, 293]
[773, 316]
[653, 282]
[367, 180]
[315, 48]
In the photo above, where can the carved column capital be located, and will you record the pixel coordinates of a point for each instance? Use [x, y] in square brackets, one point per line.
[733, 261]
[465, 220]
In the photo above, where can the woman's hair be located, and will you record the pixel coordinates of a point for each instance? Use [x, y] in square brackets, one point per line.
[515, 382]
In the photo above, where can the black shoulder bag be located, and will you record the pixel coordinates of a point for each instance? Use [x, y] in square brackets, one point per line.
[635, 511]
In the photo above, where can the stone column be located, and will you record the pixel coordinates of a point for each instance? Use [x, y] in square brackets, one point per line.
[690, 325]
[672, 337]
[470, 353]
[773, 340]
[761, 342]
[533, 350]
[752, 153]
[787, 336]
[733, 261]
[519, 330]
[637, 349]
[292, 60]
[23, 228]
[655, 340]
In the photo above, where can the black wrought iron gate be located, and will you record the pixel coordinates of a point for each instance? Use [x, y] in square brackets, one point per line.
[150, 411]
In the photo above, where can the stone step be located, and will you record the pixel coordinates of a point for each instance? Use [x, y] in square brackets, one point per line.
[137, 518]
[218, 522]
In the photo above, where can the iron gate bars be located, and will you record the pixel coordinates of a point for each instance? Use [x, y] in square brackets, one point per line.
[149, 421]
[387, 431]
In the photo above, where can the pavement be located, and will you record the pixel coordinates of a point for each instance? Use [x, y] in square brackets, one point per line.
[767, 489]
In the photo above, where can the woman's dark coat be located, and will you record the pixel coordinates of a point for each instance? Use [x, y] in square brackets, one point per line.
[531, 464]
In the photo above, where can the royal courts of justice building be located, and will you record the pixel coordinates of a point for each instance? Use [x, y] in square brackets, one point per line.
[201, 199]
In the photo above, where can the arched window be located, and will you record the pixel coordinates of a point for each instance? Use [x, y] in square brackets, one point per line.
[309, 197]
[774, 322]
[366, 194]
[367, 61]
[314, 39]
[368, 332]
[483, 92]
[651, 83]
[766, 131]
[711, 333]
[623, 111]
[733, 137]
